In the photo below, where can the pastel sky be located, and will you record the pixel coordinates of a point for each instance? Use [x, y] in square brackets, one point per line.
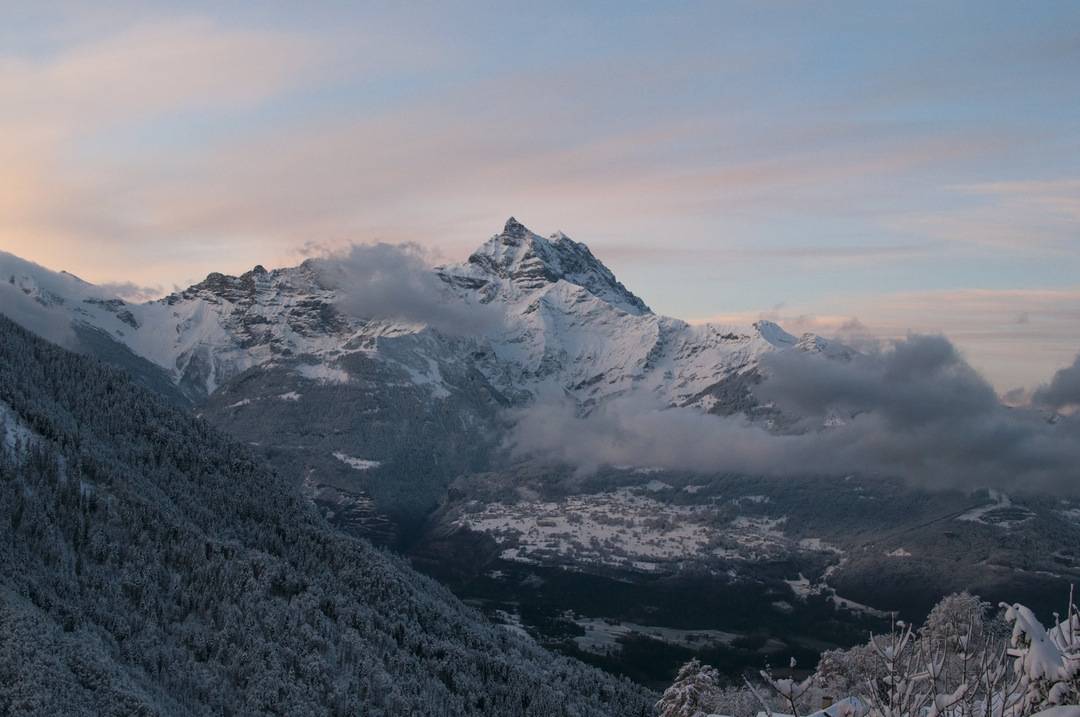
[914, 166]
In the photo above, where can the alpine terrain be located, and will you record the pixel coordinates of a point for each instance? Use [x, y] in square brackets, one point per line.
[402, 425]
[151, 566]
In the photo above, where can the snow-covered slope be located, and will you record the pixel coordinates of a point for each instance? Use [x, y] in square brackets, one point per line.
[211, 332]
[568, 325]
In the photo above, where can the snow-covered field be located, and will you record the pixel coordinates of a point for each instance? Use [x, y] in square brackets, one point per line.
[602, 636]
[629, 530]
[1002, 512]
[618, 529]
[360, 464]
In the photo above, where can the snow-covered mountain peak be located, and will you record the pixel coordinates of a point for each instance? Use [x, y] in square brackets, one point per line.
[559, 320]
[235, 289]
[514, 228]
[775, 335]
[518, 262]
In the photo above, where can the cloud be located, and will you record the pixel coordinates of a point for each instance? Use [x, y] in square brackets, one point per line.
[131, 291]
[1059, 197]
[47, 322]
[919, 410]
[1015, 337]
[916, 411]
[33, 296]
[387, 281]
[148, 69]
[1063, 391]
[1023, 216]
[83, 123]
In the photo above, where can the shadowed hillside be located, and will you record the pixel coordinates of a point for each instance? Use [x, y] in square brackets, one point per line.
[151, 566]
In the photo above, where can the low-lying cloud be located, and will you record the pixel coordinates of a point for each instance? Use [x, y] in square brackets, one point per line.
[47, 322]
[916, 410]
[130, 291]
[397, 282]
[1063, 391]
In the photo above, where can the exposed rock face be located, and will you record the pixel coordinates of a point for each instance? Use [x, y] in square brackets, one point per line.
[530, 262]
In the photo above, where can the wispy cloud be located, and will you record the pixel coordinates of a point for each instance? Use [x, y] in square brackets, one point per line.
[1060, 197]
[1019, 216]
[60, 198]
[151, 69]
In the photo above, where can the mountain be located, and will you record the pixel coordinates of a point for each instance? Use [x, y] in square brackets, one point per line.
[571, 327]
[377, 414]
[151, 566]
[566, 322]
[387, 391]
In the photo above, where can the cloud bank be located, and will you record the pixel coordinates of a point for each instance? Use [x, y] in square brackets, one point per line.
[389, 281]
[47, 322]
[1063, 391]
[916, 411]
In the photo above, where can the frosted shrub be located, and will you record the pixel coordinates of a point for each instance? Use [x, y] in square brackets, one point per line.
[1046, 662]
[696, 688]
[959, 664]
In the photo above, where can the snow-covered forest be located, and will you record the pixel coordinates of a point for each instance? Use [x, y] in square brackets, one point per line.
[149, 566]
[969, 659]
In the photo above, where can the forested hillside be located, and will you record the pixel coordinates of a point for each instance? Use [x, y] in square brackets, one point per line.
[150, 566]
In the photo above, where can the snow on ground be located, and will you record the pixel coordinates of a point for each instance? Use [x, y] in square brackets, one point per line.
[1001, 513]
[803, 588]
[628, 529]
[759, 537]
[602, 636]
[856, 606]
[618, 529]
[898, 553]
[818, 545]
[846, 706]
[431, 377]
[13, 431]
[1060, 711]
[290, 396]
[360, 464]
[242, 402]
[1071, 513]
[324, 373]
[511, 621]
[707, 403]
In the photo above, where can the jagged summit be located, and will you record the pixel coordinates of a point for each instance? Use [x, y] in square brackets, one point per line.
[226, 287]
[531, 262]
[514, 228]
[517, 260]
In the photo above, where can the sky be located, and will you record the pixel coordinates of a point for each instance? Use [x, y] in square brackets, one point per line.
[894, 167]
